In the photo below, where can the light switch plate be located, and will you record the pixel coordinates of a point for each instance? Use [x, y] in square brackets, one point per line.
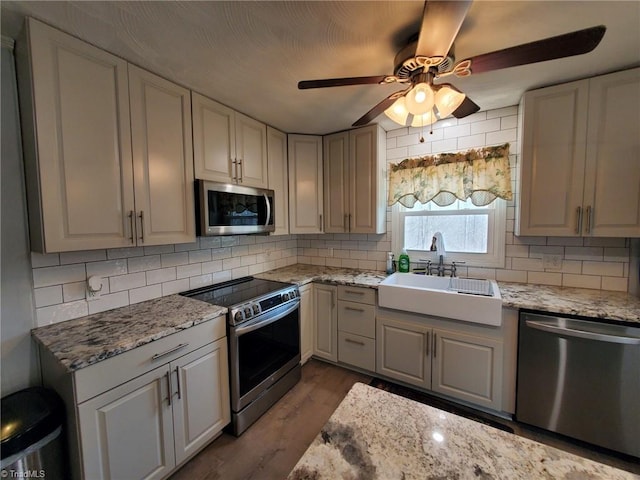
[552, 261]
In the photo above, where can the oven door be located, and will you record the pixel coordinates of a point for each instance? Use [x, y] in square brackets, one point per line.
[262, 351]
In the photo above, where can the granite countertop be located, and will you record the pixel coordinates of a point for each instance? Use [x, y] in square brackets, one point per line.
[84, 341]
[563, 300]
[374, 434]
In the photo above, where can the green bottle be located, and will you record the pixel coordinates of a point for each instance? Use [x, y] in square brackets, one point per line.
[403, 262]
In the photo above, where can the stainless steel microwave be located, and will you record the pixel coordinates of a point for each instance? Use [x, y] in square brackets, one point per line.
[226, 209]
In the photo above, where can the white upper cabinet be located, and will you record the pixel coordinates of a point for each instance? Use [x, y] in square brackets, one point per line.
[580, 174]
[355, 181]
[77, 137]
[228, 146]
[305, 184]
[278, 178]
[162, 159]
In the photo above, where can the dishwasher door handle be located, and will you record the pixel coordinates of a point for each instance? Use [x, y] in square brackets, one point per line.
[570, 332]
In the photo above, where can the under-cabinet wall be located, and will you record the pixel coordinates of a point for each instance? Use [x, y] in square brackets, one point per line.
[599, 263]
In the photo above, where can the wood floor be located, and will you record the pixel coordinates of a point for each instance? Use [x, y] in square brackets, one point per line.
[272, 446]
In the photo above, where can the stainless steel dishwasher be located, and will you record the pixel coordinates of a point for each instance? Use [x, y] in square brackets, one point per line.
[581, 379]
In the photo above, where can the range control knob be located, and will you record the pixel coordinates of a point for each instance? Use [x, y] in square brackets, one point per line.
[238, 316]
[294, 294]
[256, 309]
[285, 297]
[247, 312]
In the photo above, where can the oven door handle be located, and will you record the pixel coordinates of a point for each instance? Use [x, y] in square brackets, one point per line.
[241, 330]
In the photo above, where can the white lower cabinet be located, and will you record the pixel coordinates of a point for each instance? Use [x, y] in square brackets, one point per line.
[461, 363]
[325, 322]
[306, 322]
[357, 327]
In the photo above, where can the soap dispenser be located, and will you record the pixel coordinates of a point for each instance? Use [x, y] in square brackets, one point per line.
[403, 262]
[389, 263]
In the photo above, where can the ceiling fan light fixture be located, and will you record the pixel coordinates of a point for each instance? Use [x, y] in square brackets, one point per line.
[420, 99]
[398, 111]
[448, 99]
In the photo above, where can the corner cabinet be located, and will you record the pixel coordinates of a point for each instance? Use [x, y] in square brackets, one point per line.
[305, 184]
[84, 111]
[580, 173]
[145, 412]
[325, 322]
[307, 315]
[355, 181]
[278, 178]
[228, 146]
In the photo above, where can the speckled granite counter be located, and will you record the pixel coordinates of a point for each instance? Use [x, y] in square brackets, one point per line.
[377, 435]
[574, 301]
[88, 340]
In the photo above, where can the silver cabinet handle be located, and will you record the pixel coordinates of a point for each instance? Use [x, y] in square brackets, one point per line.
[241, 168]
[178, 380]
[345, 225]
[355, 292]
[348, 340]
[333, 302]
[141, 216]
[131, 214]
[570, 332]
[427, 344]
[578, 220]
[167, 352]
[354, 309]
[321, 225]
[435, 344]
[234, 164]
[589, 214]
[349, 222]
[169, 388]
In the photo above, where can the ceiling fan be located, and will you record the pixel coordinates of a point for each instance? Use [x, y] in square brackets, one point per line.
[430, 57]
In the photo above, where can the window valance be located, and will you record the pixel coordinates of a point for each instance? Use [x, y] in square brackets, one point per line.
[481, 174]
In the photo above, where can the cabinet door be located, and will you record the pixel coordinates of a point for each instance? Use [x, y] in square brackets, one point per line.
[278, 178]
[367, 189]
[201, 403]
[325, 338]
[305, 184]
[251, 151]
[306, 322]
[553, 158]
[162, 158]
[214, 140]
[336, 182]
[127, 432]
[77, 142]
[612, 180]
[403, 351]
[467, 367]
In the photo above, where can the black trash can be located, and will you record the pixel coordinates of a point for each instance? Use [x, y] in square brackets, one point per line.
[32, 444]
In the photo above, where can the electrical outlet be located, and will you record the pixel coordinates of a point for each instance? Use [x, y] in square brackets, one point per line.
[552, 261]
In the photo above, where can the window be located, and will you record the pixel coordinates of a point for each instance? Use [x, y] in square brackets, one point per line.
[474, 235]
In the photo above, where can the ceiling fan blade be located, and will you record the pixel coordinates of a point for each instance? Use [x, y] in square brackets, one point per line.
[567, 45]
[441, 21]
[465, 109]
[378, 109]
[338, 82]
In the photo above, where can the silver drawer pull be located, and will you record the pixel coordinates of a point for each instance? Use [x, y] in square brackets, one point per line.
[348, 340]
[355, 292]
[169, 388]
[171, 350]
[354, 309]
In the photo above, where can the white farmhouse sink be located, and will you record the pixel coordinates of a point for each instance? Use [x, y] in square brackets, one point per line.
[443, 297]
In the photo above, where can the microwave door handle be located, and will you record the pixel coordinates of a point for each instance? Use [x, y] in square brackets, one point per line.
[266, 199]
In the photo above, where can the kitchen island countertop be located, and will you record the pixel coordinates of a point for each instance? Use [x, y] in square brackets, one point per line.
[374, 434]
[562, 300]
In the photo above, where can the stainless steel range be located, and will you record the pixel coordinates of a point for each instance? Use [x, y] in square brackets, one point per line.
[263, 329]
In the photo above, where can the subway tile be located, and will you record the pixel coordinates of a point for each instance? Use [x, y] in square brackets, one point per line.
[358, 254]
[174, 259]
[187, 247]
[260, 267]
[142, 264]
[248, 260]
[485, 126]
[333, 262]
[396, 154]
[544, 278]
[537, 251]
[509, 122]
[222, 276]
[366, 264]
[39, 260]
[115, 253]
[472, 141]
[517, 251]
[419, 149]
[502, 136]
[604, 242]
[108, 268]
[617, 255]
[397, 132]
[228, 241]
[213, 266]
[239, 272]
[349, 263]
[176, 286]
[158, 249]
[458, 131]
[200, 281]
[199, 256]
[249, 239]
[47, 276]
[74, 291]
[231, 263]
[566, 241]
[221, 253]
[584, 253]
[161, 275]
[109, 302]
[186, 271]
[609, 269]
[450, 145]
[240, 250]
[479, 272]
[476, 117]
[46, 296]
[61, 312]
[571, 266]
[618, 284]
[318, 261]
[580, 281]
[84, 256]
[529, 264]
[516, 276]
[210, 242]
[143, 294]
[127, 282]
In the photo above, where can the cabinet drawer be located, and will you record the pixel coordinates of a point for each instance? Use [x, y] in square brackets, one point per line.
[357, 318]
[357, 294]
[114, 371]
[357, 351]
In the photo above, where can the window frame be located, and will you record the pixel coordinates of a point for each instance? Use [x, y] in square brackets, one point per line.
[495, 256]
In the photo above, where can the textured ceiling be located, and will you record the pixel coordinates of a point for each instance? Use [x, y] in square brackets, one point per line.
[250, 55]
